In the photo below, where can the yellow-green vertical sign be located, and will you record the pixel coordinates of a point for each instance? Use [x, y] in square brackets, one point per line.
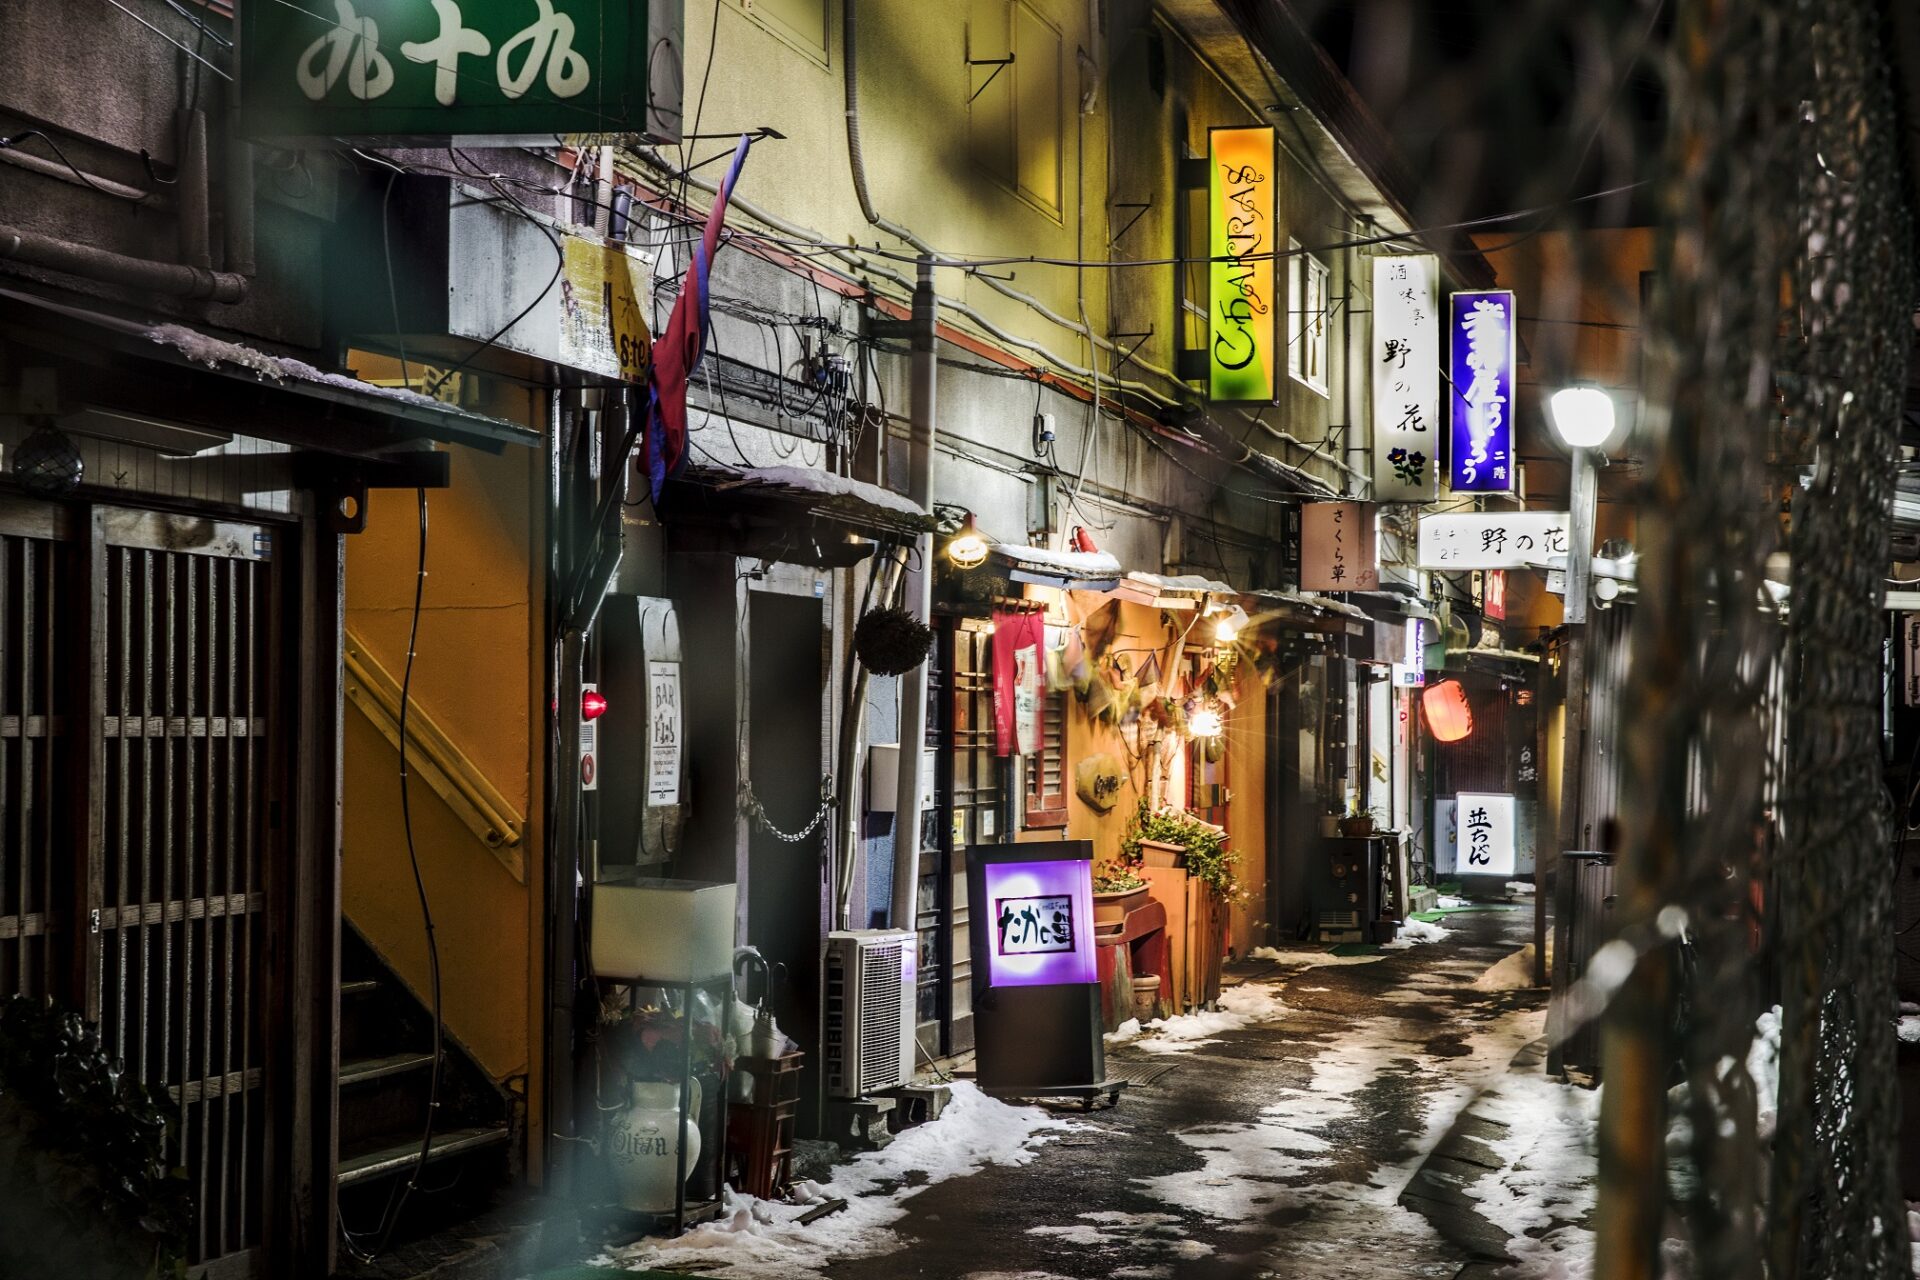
[1241, 311]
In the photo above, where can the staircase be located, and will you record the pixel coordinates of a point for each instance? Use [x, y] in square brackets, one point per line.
[386, 1063]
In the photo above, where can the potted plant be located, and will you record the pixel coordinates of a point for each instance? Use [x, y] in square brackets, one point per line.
[1116, 891]
[1365, 822]
[1200, 847]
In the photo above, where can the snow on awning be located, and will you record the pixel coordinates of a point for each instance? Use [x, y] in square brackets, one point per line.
[1068, 570]
[1307, 613]
[178, 374]
[867, 508]
[1171, 591]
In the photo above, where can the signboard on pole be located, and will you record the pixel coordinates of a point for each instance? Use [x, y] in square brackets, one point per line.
[1337, 551]
[1491, 539]
[1480, 402]
[492, 71]
[1486, 834]
[1406, 380]
[1241, 312]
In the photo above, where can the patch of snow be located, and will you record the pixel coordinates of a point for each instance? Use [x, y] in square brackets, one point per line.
[1139, 1234]
[829, 485]
[1513, 973]
[1414, 932]
[1452, 903]
[214, 352]
[1076, 564]
[1546, 1187]
[1308, 958]
[760, 1239]
[1910, 1027]
[1519, 886]
[1239, 1006]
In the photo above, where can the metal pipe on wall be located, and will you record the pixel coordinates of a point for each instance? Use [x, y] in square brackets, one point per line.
[925, 374]
[190, 185]
[92, 263]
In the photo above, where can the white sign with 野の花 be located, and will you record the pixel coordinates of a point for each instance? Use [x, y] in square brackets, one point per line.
[1406, 380]
[664, 734]
[1486, 834]
[1492, 539]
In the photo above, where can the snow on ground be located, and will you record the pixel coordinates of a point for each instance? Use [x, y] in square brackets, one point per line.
[1910, 1027]
[760, 1239]
[1544, 1193]
[1514, 973]
[1144, 1236]
[1310, 958]
[1450, 903]
[1239, 1006]
[1414, 932]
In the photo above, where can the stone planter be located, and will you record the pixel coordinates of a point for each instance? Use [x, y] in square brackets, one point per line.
[1109, 908]
[1146, 997]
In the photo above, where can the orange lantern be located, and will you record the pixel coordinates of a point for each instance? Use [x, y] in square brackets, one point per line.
[1448, 714]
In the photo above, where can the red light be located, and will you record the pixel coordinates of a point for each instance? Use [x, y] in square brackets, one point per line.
[592, 705]
[1448, 716]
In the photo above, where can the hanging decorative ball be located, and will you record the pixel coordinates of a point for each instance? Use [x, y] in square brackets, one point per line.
[891, 642]
[48, 462]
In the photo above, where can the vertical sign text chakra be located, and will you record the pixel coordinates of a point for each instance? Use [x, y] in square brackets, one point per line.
[434, 70]
[1241, 318]
[1480, 334]
[1406, 380]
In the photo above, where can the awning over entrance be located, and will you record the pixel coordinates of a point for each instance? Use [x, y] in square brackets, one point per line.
[1066, 570]
[175, 374]
[795, 514]
[1298, 612]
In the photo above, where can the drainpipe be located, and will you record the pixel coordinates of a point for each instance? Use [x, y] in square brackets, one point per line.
[924, 373]
[238, 204]
[191, 187]
[856, 158]
[89, 262]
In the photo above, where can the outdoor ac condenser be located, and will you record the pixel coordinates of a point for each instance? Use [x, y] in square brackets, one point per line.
[870, 1010]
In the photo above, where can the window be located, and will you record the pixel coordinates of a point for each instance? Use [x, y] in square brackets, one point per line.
[1046, 791]
[1014, 123]
[1307, 318]
[801, 23]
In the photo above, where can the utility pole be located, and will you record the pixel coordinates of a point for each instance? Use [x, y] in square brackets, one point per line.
[925, 372]
[1583, 486]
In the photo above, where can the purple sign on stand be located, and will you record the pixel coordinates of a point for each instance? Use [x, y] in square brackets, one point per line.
[1481, 364]
[1042, 917]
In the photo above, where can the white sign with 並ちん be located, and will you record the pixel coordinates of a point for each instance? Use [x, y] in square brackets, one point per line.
[1492, 539]
[1485, 824]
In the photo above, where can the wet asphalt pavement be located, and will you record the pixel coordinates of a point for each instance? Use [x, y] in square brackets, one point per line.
[1278, 1152]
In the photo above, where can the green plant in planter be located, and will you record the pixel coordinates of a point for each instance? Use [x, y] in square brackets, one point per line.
[1118, 880]
[1207, 857]
[83, 1168]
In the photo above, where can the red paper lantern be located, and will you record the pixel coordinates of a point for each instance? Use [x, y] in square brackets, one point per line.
[1448, 715]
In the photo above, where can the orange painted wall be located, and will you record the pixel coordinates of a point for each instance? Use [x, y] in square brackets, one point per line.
[477, 673]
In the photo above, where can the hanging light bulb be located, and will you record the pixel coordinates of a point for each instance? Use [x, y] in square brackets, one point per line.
[1224, 631]
[968, 548]
[1206, 722]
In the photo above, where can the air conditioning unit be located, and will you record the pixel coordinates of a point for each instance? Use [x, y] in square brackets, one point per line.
[870, 1010]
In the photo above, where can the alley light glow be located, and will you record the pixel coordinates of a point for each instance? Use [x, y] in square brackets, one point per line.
[968, 548]
[1206, 723]
[1582, 416]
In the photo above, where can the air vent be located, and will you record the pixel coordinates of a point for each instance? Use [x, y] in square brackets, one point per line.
[880, 1017]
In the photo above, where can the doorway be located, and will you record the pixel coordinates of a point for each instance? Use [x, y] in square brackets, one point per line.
[787, 891]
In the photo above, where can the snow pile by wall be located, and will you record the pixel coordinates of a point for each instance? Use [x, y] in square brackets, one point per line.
[1414, 932]
[761, 1240]
[1240, 1006]
[1547, 1185]
[1307, 958]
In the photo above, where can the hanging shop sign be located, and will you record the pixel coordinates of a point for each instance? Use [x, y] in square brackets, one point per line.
[1480, 401]
[603, 327]
[663, 733]
[1337, 548]
[1406, 380]
[1486, 834]
[1491, 539]
[1241, 315]
[494, 71]
[1410, 672]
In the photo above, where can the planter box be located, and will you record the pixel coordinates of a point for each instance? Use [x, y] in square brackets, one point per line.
[1158, 853]
[1110, 908]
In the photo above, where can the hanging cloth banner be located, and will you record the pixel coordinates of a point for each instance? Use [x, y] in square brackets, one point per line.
[1406, 380]
[677, 354]
[1480, 366]
[1019, 658]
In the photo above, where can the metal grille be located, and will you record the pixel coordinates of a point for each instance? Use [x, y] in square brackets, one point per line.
[33, 686]
[880, 979]
[183, 682]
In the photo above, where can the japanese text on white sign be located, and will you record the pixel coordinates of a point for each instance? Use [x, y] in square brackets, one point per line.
[1406, 379]
[1492, 539]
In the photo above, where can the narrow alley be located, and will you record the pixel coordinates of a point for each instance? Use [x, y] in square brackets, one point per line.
[1379, 1114]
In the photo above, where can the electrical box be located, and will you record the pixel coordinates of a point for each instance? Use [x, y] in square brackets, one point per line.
[883, 777]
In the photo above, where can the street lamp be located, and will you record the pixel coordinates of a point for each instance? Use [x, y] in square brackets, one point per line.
[1583, 418]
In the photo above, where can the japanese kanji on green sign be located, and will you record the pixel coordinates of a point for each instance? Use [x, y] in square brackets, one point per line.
[432, 70]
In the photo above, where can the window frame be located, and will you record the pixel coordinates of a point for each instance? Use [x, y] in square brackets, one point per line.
[1010, 76]
[1308, 337]
[1041, 810]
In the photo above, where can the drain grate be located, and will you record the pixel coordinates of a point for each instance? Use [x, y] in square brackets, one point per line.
[1138, 1075]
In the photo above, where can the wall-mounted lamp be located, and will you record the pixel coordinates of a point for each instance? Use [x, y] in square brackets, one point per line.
[967, 549]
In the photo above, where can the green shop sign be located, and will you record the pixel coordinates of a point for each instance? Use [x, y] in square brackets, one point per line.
[500, 71]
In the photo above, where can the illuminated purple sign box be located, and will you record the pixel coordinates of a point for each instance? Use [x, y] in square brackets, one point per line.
[1041, 917]
[1481, 364]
